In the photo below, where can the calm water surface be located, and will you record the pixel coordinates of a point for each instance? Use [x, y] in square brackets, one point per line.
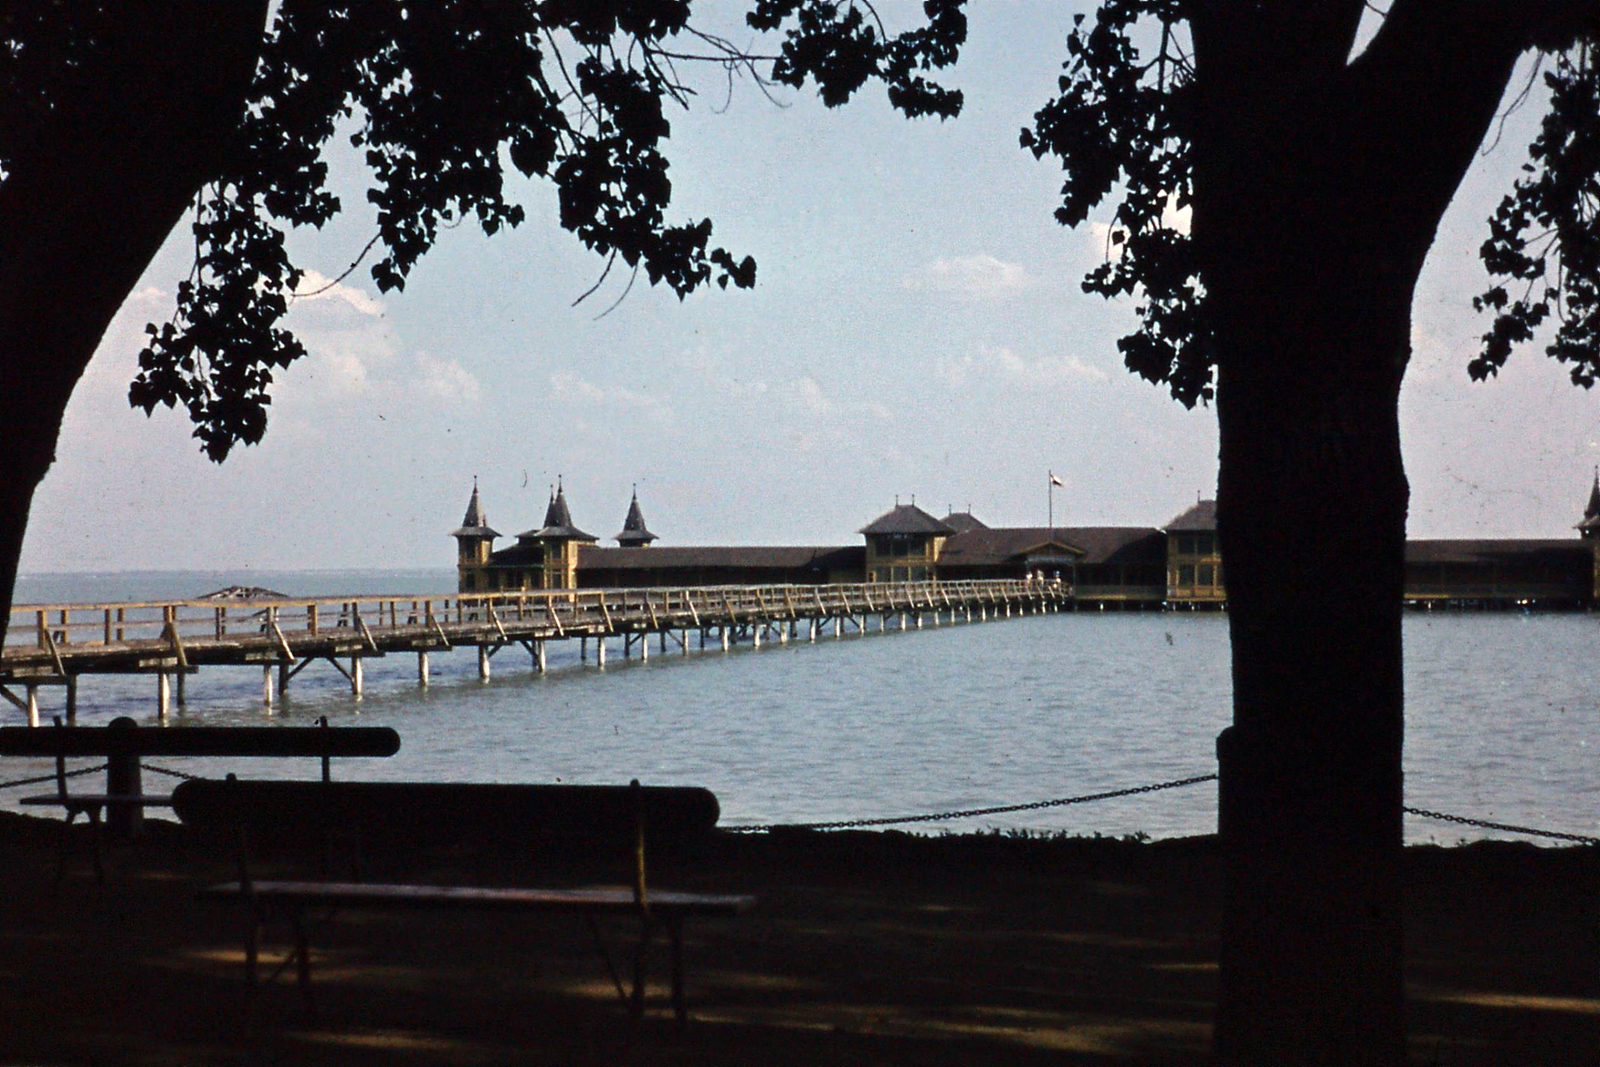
[1503, 716]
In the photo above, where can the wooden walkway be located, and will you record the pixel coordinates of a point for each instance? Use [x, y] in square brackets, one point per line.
[53, 644]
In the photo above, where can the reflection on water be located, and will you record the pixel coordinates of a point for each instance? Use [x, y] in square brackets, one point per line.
[1502, 720]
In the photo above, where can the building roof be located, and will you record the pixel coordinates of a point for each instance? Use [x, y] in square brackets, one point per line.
[906, 519]
[1092, 544]
[1497, 550]
[964, 520]
[1203, 516]
[753, 557]
[474, 523]
[633, 532]
[557, 522]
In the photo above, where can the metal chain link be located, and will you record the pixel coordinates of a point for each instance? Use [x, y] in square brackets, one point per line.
[1464, 821]
[845, 824]
[50, 777]
[170, 773]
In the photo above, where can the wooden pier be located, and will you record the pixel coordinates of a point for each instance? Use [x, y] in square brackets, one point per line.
[54, 644]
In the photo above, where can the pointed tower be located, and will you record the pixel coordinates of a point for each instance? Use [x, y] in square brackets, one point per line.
[474, 543]
[1589, 528]
[559, 539]
[634, 534]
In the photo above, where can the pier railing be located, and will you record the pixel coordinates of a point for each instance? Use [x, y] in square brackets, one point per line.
[50, 637]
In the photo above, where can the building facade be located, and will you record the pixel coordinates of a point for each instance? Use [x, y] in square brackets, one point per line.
[1178, 565]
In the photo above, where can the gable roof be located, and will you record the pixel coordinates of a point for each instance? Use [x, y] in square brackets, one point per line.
[964, 520]
[720, 557]
[988, 547]
[906, 519]
[1203, 516]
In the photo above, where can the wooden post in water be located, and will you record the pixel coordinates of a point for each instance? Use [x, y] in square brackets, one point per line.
[583, 650]
[181, 673]
[266, 684]
[683, 644]
[538, 655]
[755, 635]
[483, 663]
[600, 651]
[422, 669]
[724, 630]
[644, 647]
[72, 698]
[163, 695]
[355, 675]
[33, 705]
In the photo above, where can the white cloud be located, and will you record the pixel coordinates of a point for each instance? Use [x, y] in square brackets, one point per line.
[1000, 362]
[315, 286]
[444, 378]
[976, 277]
[567, 385]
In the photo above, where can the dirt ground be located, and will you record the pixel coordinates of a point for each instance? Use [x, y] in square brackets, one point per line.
[865, 948]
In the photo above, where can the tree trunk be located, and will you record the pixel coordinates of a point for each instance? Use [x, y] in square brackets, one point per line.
[87, 203]
[1312, 504]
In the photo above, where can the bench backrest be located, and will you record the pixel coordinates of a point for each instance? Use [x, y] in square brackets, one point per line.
[131, 740]
[429, 812]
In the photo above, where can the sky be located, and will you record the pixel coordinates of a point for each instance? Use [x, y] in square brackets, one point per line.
[917, 330]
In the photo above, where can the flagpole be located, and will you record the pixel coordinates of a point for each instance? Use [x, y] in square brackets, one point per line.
[1050, 494]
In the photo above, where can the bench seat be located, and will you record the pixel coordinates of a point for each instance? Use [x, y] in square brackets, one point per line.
[388, 895]
[98, 800]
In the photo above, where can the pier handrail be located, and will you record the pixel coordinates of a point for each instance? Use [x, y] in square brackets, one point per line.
[59, 629]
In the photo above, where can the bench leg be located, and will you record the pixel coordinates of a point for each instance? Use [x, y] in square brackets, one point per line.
[302, 951]
[680, 1007]
[636, 1006]
[98, 833]
[65, 841]
[605, 954]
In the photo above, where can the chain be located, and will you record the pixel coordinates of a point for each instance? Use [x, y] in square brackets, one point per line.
[1464, 821]
[170, 773]
[50, 777]
[846, 824]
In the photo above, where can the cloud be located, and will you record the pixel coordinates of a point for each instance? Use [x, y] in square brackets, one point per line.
[999, 362]
[1108, 239]
[317, 287]
[572, 387]
[976, 277]
[444, 378]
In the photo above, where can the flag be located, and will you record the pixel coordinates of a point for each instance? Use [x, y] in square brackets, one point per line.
[1056, 481]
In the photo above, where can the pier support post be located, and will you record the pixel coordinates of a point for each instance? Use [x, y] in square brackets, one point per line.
[755, 636]
[627, 646]
[811, 630]
[902, 620]
[583, 650]
[724, 630]
[266, 684]
[283, 678]
[72, 698]
[683, 645]
[600, 652]
[838, 626]
[919, 620]
[33, 704]
[163, 697]
[538, 656]
[182, 675]
[702, 639]
[783, 633]
[483, 663]
[644, 647]
[422, 669]
[355, 676]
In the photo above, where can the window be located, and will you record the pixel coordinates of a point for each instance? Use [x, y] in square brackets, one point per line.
[469, 582]
[1206, 573]
[1186, 574]
[902, 545]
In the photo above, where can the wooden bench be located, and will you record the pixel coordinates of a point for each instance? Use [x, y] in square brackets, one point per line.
[603, 816]
[123, 743]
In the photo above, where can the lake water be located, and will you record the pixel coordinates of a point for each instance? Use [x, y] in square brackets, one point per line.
[1503, 719]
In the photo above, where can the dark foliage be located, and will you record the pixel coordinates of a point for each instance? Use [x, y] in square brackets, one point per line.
[1544, 240]
[443, 95]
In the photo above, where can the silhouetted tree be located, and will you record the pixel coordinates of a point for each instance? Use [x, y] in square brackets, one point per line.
[1318, 172]
[117, 117]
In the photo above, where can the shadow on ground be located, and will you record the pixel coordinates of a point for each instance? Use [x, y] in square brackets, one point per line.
[865, 949]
